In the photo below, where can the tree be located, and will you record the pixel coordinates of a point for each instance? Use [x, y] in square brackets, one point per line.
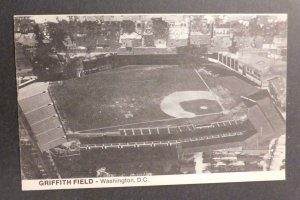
[72, 27]
[233, 48]
[57, 36]
[160, 28]
[281, 28]
[128, 26]
[23, 24]
[254, 28]
[46, 63]
[218, 20]
[39, 36]
[238, 29]
[92, 33]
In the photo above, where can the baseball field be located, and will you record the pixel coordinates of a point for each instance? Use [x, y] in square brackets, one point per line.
[148, 95]
[136, 96]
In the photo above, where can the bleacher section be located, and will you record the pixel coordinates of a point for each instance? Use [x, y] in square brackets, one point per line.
[265, 118]
[157, 130]
[187, 136]
[38, 111]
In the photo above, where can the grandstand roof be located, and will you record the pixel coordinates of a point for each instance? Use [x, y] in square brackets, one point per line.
[279, 84]
[37, 107]
[267, 107]
[265, 118]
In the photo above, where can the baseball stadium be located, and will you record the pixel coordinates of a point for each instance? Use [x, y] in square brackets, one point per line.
[135, 110]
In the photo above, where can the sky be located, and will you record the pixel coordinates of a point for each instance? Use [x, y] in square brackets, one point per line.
[47, 18]
[53, 18]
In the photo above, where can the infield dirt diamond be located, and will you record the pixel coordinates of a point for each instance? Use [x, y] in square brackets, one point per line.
[171, 103]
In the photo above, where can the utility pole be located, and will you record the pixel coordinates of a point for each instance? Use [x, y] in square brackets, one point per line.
[257, 142]
[189, 30]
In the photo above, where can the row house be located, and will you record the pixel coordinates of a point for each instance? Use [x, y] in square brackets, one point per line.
[277, 89]
[148, 37]
[222, 35]
[178, 32]
[130, 40]
[200, 32]
[277, 48]
[222, 30]
[139, 27]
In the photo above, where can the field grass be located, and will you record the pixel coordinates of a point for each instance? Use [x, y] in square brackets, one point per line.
[128, 96]
[226, 84]
[229, 87]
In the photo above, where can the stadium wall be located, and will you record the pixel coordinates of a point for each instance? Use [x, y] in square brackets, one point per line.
[235, 65]
[116, 61]
[129, 154]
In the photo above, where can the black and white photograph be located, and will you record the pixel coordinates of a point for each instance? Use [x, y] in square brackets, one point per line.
[121, 100]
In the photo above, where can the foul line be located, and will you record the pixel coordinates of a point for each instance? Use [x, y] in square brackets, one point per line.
[202, 80]
[217, 99]
[161, 120]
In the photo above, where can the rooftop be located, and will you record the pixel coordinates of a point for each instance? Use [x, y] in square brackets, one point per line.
[41, 115]
[280, 84]
[130, 36]
[266, 66]
[266, 119]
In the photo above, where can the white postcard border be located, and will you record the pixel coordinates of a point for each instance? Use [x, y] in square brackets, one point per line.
[134, 181]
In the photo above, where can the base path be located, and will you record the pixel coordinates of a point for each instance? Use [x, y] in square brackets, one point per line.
[171, 103]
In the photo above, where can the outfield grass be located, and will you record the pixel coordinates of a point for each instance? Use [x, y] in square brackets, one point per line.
[227, 85]
[130, 96]
[126, 95]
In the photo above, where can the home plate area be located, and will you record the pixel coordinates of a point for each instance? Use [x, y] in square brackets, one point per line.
[189, 104]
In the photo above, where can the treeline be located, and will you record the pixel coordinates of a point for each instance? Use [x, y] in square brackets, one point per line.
[90, 34]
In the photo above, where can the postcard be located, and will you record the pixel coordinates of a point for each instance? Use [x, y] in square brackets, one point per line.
[121, 100]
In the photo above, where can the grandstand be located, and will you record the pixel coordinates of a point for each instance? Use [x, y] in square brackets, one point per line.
[41, 116]
[187, 136]
[265, 117]
[50, 132]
